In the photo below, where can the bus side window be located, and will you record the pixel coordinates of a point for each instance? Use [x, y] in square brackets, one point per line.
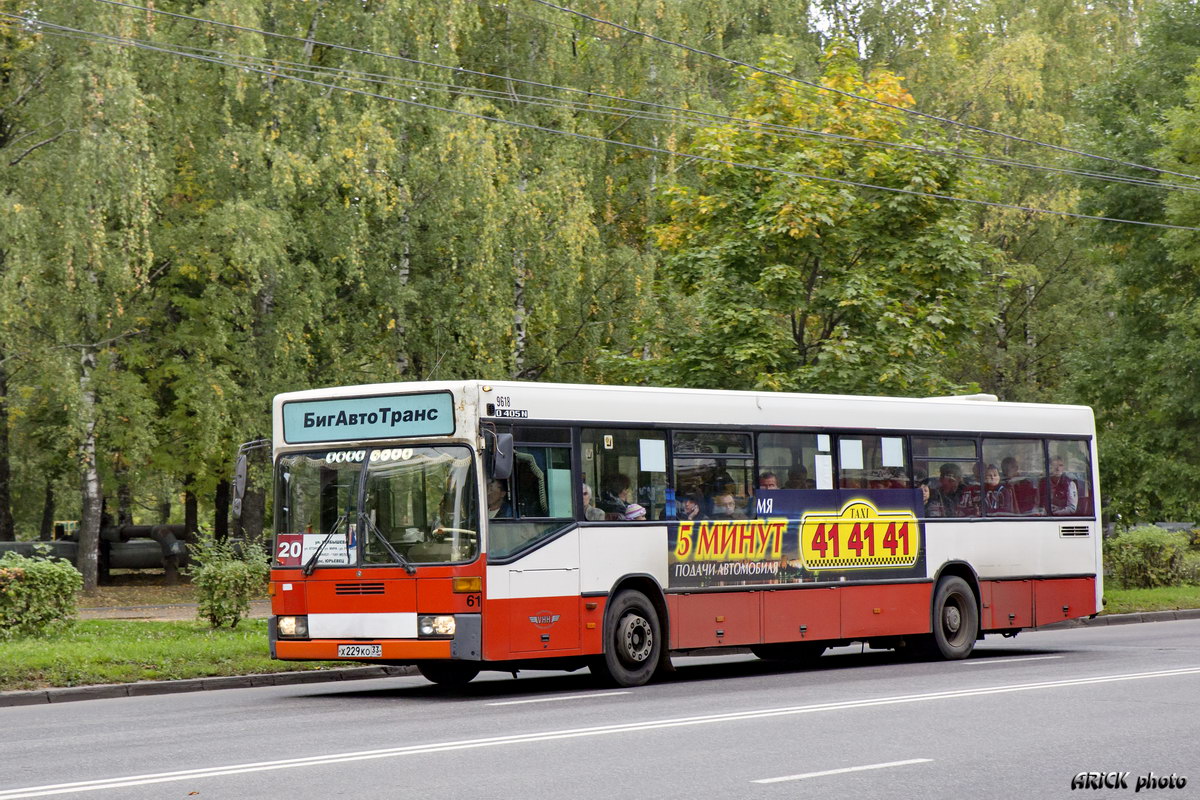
[1068, 488]
[627, 470]
[541, 483]
[790, 457]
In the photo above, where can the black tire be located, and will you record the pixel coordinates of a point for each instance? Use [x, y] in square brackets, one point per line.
[798, 653]
[449, 673]
[955, 620]
[633, 642]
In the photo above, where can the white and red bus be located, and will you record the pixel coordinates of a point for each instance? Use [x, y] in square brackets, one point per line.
[473, 525]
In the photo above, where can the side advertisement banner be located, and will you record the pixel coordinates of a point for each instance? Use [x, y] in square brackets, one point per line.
[802, 536]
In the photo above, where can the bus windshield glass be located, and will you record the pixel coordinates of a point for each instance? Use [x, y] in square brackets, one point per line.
[418, 504]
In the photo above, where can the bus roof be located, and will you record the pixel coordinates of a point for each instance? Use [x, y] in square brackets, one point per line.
[626, 405]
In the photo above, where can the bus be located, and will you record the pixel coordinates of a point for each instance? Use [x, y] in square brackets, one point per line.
[475, 525]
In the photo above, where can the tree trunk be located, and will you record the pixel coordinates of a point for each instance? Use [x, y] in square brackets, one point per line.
[520, 315]
[190, 510]
[124, 499]
[46, 532]
[89, 525]
[7, 530]
[221, 511]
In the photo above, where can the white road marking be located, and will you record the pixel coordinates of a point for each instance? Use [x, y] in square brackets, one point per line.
[570, 733]
[843, 770]
[1006, 660]
[555, 699]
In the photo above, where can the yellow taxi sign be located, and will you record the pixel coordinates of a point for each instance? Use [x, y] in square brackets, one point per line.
[860, 536]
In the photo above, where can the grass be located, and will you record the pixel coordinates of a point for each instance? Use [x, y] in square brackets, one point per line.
[123, 651]
[1163, 598]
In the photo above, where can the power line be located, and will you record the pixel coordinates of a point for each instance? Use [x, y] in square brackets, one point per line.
[629, 145]
[766, 126]
[852, 95]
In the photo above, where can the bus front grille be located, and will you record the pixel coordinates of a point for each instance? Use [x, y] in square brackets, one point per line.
[358, 588]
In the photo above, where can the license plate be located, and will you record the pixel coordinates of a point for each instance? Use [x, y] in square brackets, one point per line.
[360, 650]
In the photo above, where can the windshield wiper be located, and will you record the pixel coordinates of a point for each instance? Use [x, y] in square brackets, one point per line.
[369, 527]
[311, 564]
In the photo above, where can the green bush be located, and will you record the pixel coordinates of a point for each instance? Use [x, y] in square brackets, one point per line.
[1190, 571]
[1145, 557]
[37, 595]
[226, 580]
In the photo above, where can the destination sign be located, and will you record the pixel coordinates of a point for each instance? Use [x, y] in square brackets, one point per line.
[360, 418]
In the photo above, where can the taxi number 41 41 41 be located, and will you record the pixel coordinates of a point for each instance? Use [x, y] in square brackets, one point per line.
[360, 650]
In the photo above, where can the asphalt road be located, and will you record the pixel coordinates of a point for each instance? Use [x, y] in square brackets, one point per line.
[1020, 719]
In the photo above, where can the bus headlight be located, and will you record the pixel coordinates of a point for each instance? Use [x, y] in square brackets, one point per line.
[441, 626]
[293, 627]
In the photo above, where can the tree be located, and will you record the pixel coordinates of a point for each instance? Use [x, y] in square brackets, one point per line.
[1140, 374]
[794, 282]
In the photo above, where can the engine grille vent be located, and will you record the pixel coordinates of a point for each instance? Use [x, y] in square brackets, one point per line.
[1075, 530]
[358, 588]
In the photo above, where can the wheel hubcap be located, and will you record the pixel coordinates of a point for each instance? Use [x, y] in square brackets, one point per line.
[636, 637]
[952, 619]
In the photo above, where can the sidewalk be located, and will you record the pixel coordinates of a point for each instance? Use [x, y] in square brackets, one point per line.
[178, 611]
[167, 612]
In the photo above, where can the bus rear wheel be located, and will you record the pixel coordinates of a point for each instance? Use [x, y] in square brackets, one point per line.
[449, 673]
[632, 641]
[955, 618]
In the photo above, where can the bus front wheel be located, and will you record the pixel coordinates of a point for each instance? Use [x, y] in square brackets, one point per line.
[955, 618]
[632, 641]
[449, 673]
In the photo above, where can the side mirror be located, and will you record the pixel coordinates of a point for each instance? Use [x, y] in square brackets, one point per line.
[500, 457]
[239, 484]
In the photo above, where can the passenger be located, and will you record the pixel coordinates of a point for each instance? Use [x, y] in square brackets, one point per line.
[997, 497]
[797, 479]
[768, 480]
[1024, 492]
[689, 507]
[948, 499]
[497, 500]
[590, 512]
[1061, 489]
[614, 494]
[634, 512]
[724, 506]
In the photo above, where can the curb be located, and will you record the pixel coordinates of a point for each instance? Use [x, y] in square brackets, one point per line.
[146, 688]
[1124, 619]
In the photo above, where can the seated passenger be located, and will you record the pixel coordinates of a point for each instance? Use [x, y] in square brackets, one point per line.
[1061, 490]
[768, 480]
[634, 512]
[724, 506]
[797, 478]
[590, 512]
[689, 507]
[997, 497]
[614, 494]
[1024, 492]
[950, 499]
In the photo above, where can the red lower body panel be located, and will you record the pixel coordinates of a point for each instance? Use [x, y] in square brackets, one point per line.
[754, 617]
[1033, 602]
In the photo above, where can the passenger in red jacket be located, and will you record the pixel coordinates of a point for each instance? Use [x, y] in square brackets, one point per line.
[1061, 489]
[1024, 491]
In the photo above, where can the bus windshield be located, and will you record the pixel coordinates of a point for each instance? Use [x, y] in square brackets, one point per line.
[418, 504]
